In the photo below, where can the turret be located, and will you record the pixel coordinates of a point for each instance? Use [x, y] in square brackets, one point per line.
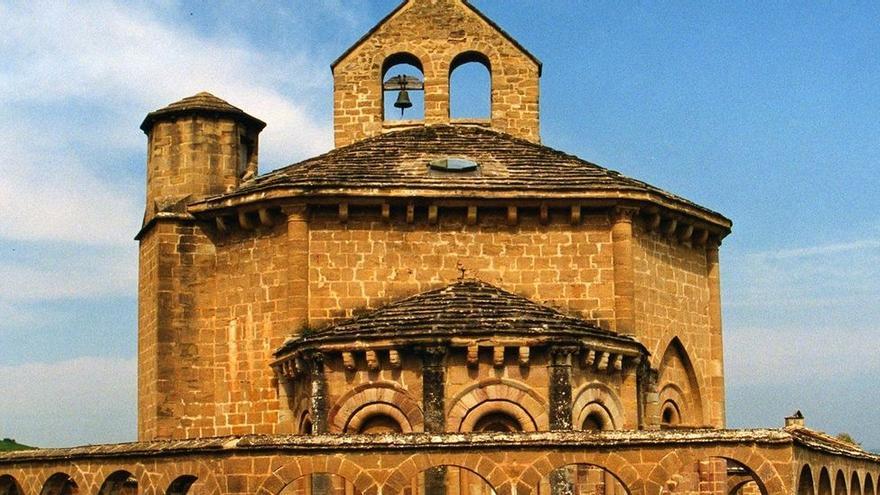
[198, 147]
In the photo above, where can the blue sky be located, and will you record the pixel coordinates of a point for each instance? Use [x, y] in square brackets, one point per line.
[767, 113]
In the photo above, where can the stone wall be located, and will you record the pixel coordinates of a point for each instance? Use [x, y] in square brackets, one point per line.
[434, 32]
[366, 262]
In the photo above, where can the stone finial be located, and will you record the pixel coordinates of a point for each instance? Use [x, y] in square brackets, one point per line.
[796, 419]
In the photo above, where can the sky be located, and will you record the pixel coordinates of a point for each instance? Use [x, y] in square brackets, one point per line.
[764, 111]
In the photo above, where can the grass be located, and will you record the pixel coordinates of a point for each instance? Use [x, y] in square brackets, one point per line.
[8, 445]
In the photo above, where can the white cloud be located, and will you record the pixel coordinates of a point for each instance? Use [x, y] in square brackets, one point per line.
[84, 400]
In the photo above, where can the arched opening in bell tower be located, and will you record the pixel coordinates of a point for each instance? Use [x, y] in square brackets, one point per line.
[403, 94]
[470, 86]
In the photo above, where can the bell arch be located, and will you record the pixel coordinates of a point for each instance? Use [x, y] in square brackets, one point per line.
[678, 383]
[470, 86]
[408, 65]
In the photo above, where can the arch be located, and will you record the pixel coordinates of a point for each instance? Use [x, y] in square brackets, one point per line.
[869, 485]
[181, 485]
[323, 483]
[855, 484]
[677, 375]
[482, 412]
[470, 86]
[408, 64]
[677, 461]
[361, 418]
[459, 478]
[305, 423]
[360, 479]
[508, 396]
[597, 398]
[119, 483]
[582, 479]
[60, 484]
[806, 486]
[670, 412]
[840, 483]
[824, 483]
[10, 486]
[379, 393]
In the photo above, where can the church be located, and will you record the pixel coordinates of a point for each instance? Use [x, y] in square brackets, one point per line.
[440, 305]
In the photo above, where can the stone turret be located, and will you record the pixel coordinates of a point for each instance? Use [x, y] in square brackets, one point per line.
[198, 147]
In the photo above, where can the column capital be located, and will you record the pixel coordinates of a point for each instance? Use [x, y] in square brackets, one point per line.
[624, 213]
[295, 209]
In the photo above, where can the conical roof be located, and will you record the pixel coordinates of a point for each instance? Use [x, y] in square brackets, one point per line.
[202, 102]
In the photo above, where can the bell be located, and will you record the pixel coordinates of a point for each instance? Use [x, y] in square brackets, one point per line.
[403, 101]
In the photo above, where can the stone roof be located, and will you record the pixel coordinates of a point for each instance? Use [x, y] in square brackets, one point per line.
[203, 102]
[464, 308]
[508, 166]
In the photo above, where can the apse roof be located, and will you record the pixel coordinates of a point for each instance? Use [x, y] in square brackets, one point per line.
[467, 307]
[201, 102]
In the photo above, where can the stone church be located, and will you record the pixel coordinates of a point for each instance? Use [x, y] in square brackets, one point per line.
[437, 306]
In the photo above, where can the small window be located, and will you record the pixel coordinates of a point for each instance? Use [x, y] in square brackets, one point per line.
[454, 165]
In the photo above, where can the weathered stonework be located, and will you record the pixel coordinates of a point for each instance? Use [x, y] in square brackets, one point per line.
[362, 323]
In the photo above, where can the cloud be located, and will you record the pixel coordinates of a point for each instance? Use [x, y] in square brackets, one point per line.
[83, 400]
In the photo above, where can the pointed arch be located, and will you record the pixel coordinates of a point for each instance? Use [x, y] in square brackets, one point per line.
[10, 486]
[678, 386]
[855, 484]
[840, 483]
[825, 483]
[805, 485]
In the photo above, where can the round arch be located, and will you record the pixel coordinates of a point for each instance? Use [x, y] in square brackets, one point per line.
[193, 476]
[279, 479]
[369, 411]
[763, 471]
[463, 479]
[840, 483]
[10, 486]
[483, 466]
[60, 484]
[119, 482]
[824, 483]
[582, 479]
[506, 408]
[806, 485]
[341, 414]
[596, 398]
[855, 484]
[497, 390]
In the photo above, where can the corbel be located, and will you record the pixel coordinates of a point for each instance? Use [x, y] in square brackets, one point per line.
[618, 363]
[386, 212]
[685, 232]
[524, 355]
[266, 217]
[410, 213]
[394, 358]
[702, 237]
[512, 215]
[544, 214]
[603, 362]
[668, 226]
[432, 214]
[473, 355]
[343, 212]
[244, 221]
[654, 221]
[222, 226]
[589, 358]
[575, 214]
[372, 361]
[472, 215]
[348, 361]
[498, 356]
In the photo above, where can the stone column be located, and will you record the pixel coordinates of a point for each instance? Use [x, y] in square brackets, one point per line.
[298, 269]
[318, 412]
[624, 273]
[650, 408]
[559, 372]
[434, 407]
[716, 370]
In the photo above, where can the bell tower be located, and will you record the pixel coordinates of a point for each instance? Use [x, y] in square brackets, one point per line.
[432, 38]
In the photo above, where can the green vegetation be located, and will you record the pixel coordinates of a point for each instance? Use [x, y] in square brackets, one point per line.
[8, 444]
[846, 437]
